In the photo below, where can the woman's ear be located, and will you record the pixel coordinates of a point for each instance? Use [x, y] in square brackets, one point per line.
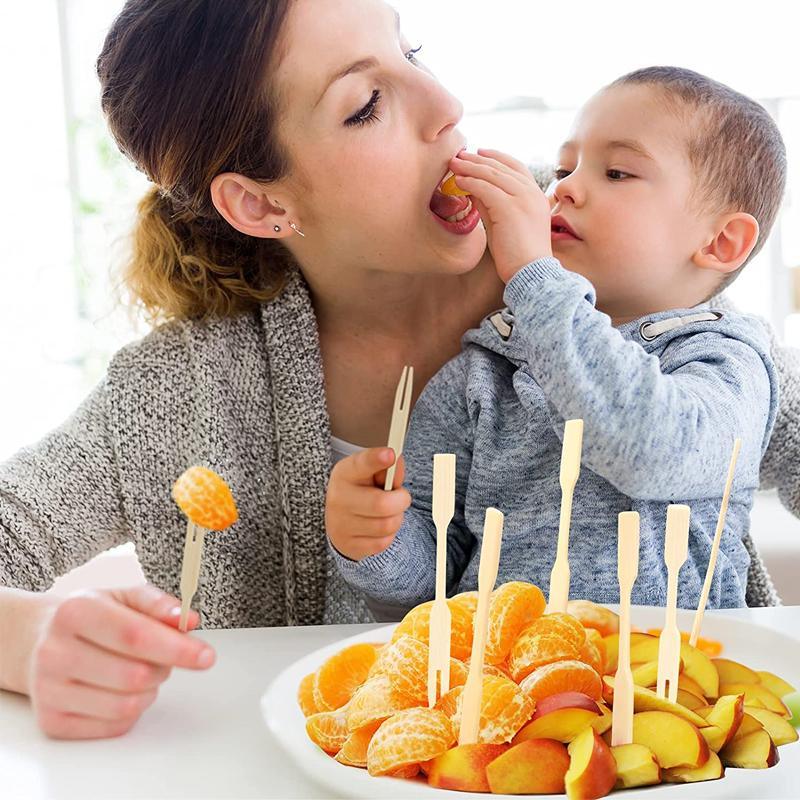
[244, 204]
[734, 240]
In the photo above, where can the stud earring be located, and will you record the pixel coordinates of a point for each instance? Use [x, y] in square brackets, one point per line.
[277, 228]
[296, 229]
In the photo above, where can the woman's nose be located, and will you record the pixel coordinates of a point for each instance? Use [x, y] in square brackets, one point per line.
[443, 111]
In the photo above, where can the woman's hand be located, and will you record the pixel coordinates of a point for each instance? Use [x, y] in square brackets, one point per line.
[361, 519]
[514, 210]
[102, 656]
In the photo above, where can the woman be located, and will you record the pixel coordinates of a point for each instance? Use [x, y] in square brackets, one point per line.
[291, 245]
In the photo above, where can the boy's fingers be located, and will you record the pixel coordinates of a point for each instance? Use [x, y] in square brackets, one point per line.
[511, 162]
[510, 183]
[362, 467]
[373, 502]
[379, 478]
[493, 166]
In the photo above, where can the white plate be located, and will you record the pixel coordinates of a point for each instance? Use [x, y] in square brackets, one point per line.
[759, 648]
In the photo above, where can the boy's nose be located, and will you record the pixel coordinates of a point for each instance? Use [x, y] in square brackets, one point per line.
[568, 190]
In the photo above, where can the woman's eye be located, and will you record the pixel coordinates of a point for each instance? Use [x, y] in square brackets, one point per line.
[366, 114]
[617, 174]
[559, 174]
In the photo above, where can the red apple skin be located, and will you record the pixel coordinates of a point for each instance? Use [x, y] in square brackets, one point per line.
[564, 700]
[463, 768]
[535, 766]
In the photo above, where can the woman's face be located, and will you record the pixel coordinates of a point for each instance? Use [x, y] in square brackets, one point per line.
[369, 132]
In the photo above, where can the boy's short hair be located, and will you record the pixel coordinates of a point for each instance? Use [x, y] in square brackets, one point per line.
[733, 143]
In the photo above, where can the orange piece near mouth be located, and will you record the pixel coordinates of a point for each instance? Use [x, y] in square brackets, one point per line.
[450, 188]
[205, 499]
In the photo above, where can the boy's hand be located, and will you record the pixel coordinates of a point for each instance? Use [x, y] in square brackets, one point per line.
[361, 519]
[514, 209]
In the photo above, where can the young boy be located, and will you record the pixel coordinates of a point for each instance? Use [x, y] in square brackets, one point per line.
[665, 190]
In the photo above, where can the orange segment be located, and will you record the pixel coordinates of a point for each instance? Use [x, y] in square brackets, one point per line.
[338, 678]
[591, 653]
[449, 187]
[468, 600]
[405, 662]
[408, 738]
[305, 695]
[416, 624]
[505, 708]
[533, 650]
[562, 676]
[205, 499]
[593, 615]
[328, 730]
[375, 701]
[354, 749]
[513, 606]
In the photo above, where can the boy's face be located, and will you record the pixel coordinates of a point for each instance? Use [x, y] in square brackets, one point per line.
[623, 188]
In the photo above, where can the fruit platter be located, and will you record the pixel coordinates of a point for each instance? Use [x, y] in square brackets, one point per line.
[357, 714]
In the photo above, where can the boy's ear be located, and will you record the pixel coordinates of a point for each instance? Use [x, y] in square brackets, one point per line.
[734, 240]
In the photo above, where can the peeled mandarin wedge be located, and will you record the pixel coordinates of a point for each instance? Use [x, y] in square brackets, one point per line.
[593, 615]
[449, 187]
[405, 663]
[328, 730]
[354, 749]
[533, 650]
[562, 676]
[416, 624]
[409, 738]
[305, 695]
[375, 701]
[512, 607]
[468, 600]
[505, 708]
[205, 499]
[338, 678]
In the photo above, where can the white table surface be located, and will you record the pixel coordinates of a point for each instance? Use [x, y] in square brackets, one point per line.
[205, 738]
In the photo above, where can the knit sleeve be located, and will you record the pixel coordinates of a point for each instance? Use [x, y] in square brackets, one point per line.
[60, 499]
[780, 466]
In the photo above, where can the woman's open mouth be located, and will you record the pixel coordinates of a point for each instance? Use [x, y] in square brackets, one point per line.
[455, 214]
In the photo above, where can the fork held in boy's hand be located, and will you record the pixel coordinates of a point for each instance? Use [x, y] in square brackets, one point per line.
[514, 210]
[361, 519]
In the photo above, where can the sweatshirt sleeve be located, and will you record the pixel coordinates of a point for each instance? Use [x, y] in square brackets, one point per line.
[405, 573]
[653, 434]
[60, 499]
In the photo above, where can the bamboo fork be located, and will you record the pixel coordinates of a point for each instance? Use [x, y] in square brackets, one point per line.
[487, 575]
[669, 643]
[570, 467]
[190, 573]
[627, 570]
[712, 561]
[397, 429]
[443, 508]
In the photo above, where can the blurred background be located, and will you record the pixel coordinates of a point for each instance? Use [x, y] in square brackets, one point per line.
[520, 67]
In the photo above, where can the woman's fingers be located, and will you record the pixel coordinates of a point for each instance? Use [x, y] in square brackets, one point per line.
[61, 725]
[76, 698]
[104, 620]
[78, 660]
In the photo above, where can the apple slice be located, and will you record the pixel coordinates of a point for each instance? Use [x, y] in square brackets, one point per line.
[536, 766]
[561, 717]
[754, 751]
[712, 770]
[756, 695]
[648, 700]
[636, 766]
[724, 718]
[776, 685]
[696, 664]
[674, 741]
[749, 724]
[734, 672]
[611, 644]
[602, 723]
[690, 700]
[463, 768]
[778, 728]
[592, 769]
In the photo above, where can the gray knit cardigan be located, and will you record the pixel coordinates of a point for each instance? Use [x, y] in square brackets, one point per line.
[244, 396]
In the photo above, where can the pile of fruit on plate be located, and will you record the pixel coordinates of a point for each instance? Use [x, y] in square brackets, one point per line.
[546, 705]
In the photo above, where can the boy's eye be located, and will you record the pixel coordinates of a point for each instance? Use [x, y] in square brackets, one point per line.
[559, 174]
[617, 174]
